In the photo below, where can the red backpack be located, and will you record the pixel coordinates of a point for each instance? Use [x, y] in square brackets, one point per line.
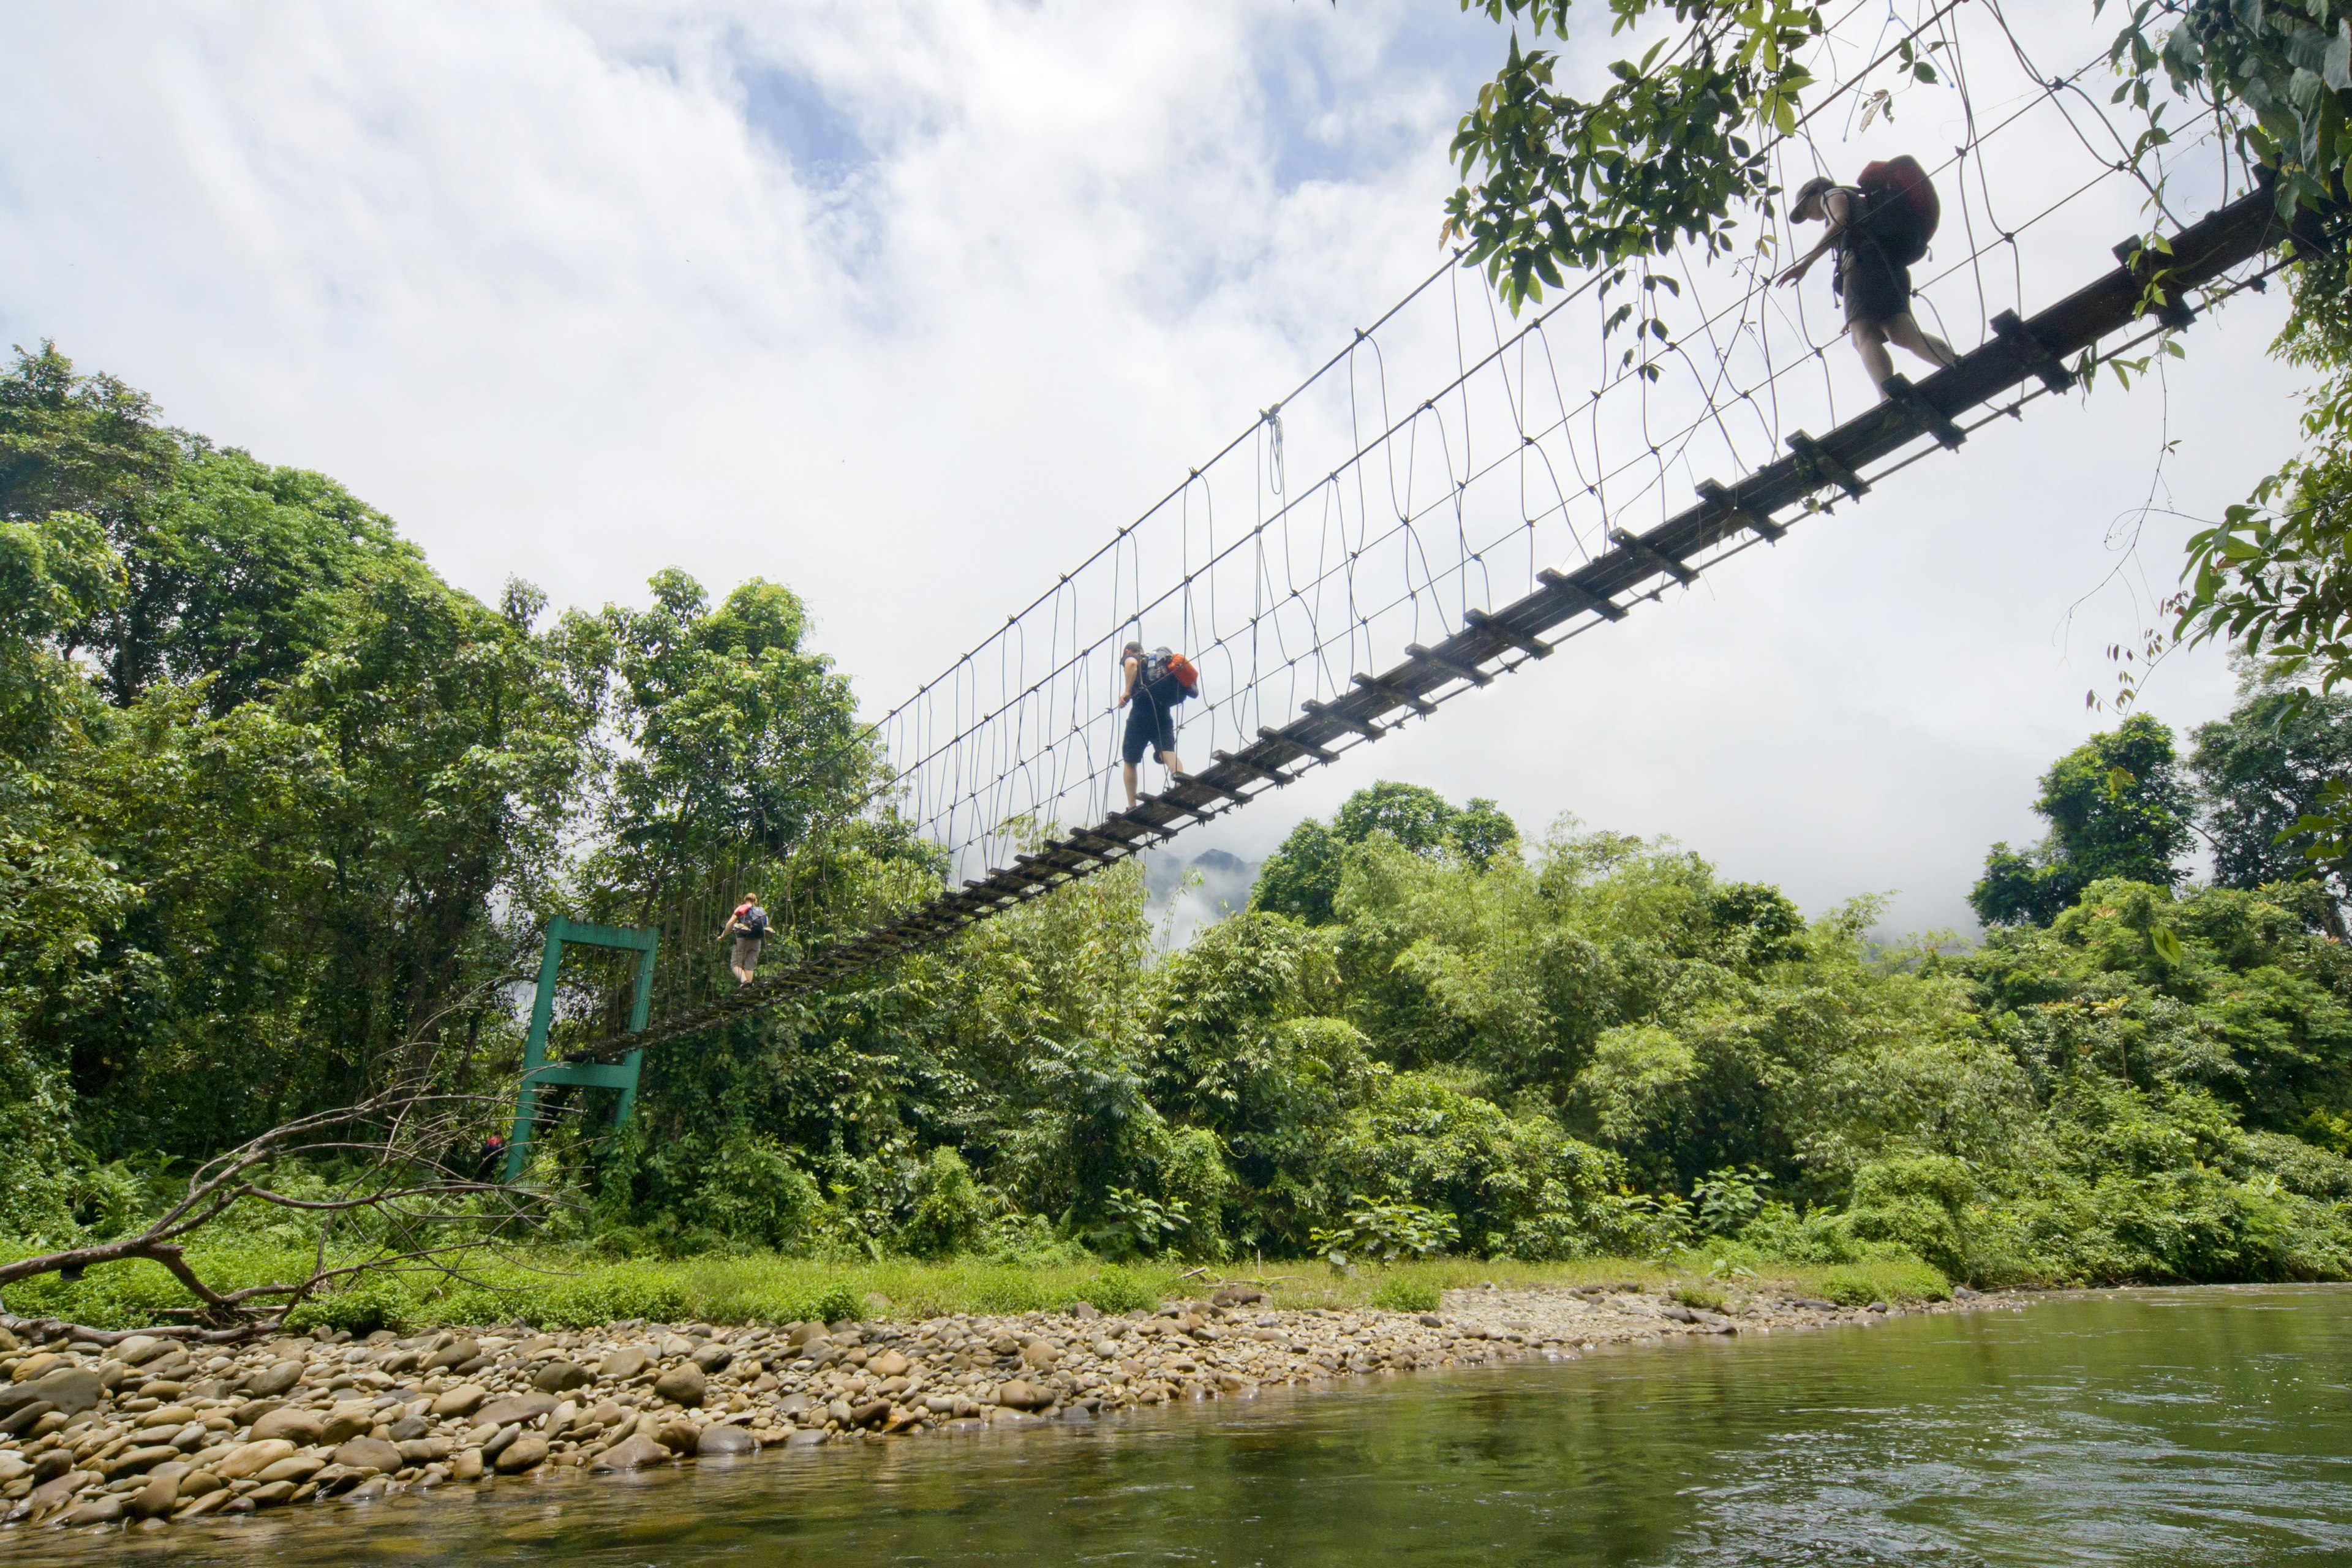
[1900, 207]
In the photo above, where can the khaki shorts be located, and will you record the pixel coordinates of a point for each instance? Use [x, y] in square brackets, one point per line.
[747, 951]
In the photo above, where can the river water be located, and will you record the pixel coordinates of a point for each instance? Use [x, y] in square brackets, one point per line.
[2207, 1426]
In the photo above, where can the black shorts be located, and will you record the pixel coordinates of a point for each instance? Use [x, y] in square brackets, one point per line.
[1875, 289]
[1149, 727]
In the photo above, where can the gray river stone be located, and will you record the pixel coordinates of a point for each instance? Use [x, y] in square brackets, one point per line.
[631, 1453]
[724, 1439]
[561, 1376]
[70, 1389]
[521, 1407]
[272, 1381]
[368, 1454]
[456, 1354]
[682, 1385]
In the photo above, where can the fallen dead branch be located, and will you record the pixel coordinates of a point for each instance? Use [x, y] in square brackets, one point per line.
[412, 1176]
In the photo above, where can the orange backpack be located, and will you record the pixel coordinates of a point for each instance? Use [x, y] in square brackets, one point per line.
[1166, 670]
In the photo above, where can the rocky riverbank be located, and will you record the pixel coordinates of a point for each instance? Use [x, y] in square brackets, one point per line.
[146, 1433]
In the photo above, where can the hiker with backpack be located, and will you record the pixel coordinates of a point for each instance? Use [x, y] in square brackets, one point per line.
[749, 926]
[1879, 226]
[1151, 687]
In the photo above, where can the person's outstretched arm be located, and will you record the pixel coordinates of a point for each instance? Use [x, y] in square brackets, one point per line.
[1837, 211]
[1130, 669]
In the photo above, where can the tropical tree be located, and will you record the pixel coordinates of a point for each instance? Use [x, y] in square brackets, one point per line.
[295, 816]
[2261, 774]
[2117, 807]
[1303, 876]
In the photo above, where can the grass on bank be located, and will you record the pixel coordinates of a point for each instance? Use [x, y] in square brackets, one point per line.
[555, 1290]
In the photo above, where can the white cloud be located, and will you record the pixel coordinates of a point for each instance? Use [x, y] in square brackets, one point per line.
[908, 305]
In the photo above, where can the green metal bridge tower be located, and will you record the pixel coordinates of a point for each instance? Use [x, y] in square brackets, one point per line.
[537, 1072]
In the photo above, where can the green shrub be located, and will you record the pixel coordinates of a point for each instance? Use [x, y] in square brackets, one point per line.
[1692, 1293]
[1817, 1235]
[1728, 1199]
[1009, 1292]
[370, 1303]
[1372, 1228]
[1118, 1289]
[1919, 1203]
[838, 1302]
[755, 1195]
[472, 1304]
[39, 1165]
[1028, 1240]
[604, 1295]
[1639, 1225]
[1918, 1224]
[1137, 1224]
[1406, 1293]
[1848, 1288]
[950, 1208]
[1197, 1183]
[1883, 1280]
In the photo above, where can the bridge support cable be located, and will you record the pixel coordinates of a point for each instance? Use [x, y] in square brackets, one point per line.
[1815, 475]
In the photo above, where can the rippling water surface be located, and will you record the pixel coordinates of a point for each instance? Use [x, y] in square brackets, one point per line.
[2210, 1427]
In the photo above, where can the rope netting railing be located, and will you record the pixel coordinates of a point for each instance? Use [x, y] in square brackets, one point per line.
[1436, 501]
[1446, 458]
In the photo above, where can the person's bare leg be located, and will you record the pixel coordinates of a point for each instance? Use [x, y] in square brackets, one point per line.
[1130, 785]
[1172, 762]
[1905, 332]
[1870, 342]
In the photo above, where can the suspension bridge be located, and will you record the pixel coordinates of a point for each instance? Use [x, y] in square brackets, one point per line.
[1354, 559]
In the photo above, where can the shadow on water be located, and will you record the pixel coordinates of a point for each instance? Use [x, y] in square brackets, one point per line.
[2211, 1426]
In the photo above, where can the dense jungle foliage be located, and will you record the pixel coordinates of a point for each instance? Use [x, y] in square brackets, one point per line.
[283, 810]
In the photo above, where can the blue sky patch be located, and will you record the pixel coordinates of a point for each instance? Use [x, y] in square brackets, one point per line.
[807, 130]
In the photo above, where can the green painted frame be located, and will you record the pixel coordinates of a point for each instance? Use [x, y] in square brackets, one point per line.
[538, 1071]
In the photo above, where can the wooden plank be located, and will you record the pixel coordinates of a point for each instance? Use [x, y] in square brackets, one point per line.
[1655, 559]
[1046, 860]
[1533, 646]
[1306, 747]
[1447, 666]
[1197, 781]
[1395, 695]
[1566, 588]
[2030, 352]
[1168, 798]
[2171, 309]
[1926, 415]
[1711, 493]
[1364, 727]
[1826, 469]
[1243, 765]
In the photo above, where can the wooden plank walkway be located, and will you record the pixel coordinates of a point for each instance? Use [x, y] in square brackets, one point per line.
[1638, 565]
